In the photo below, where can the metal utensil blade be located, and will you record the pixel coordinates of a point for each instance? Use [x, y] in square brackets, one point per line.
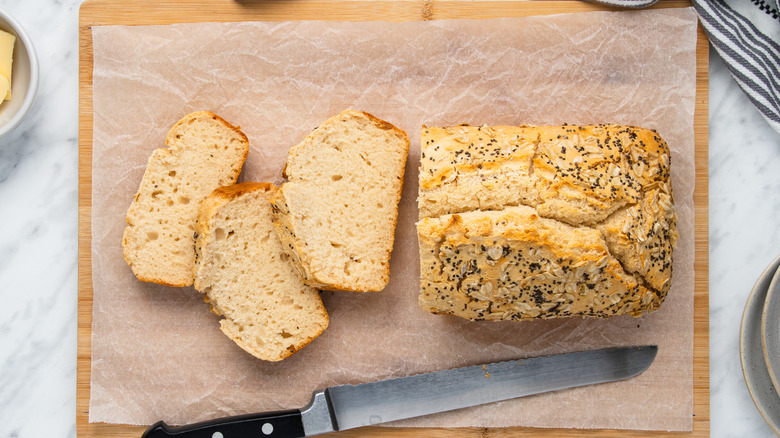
[406, 397]
[349, 406]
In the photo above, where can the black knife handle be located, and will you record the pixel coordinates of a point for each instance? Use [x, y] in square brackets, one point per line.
[282, 424]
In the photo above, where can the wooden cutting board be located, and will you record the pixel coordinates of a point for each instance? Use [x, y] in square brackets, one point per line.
[152, 12]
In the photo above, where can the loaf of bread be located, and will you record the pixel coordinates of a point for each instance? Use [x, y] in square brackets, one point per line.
[544, 221]
[203, 152]
[247, 277]
[337, 213]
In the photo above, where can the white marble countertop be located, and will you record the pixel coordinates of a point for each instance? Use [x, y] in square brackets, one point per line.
[38, 246]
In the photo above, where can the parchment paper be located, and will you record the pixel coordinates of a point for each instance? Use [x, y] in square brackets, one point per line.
[157, 352]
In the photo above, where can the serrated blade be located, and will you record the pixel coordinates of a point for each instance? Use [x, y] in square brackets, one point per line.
[406, 397]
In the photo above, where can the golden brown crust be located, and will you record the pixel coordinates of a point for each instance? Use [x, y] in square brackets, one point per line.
[576, 174]
[515, 265]
[611, 180]
[643, 236]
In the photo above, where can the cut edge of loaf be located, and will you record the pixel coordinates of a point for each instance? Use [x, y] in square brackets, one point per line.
[302, 315]
[162, 157]
[287, 225]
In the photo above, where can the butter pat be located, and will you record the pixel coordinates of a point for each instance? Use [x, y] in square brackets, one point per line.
[6, 60]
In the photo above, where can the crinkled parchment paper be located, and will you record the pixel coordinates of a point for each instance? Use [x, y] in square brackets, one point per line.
[157, 352]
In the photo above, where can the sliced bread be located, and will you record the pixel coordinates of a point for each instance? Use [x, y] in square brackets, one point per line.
[247, 277]
[336, 215]
[203, 152]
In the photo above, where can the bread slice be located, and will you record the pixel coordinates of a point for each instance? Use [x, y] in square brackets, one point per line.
[248, 279]
[336, 215]
[514, 265]
[611, 182]
[203, 152]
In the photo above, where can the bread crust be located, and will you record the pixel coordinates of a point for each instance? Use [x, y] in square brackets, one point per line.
[514, 265]
[575, 174]
[612, 181]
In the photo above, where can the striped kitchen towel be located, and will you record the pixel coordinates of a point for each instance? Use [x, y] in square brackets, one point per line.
[746, 34]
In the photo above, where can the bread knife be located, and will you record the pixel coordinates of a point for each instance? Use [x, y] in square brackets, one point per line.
[350, 406]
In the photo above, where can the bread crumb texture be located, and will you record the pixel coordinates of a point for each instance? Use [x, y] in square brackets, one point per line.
[248, 279]
[337, 213]
[544, 221]
[203, 152]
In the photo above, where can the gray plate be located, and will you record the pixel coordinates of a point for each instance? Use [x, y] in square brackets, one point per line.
[770, 329]
[754, 366]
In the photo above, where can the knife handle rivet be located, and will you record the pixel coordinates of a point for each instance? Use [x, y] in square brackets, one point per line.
[217, 435]
[267, 429]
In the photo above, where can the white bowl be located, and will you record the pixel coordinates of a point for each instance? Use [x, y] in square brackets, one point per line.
[24, 77]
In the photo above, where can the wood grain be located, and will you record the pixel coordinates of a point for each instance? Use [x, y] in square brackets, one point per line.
[149, 12]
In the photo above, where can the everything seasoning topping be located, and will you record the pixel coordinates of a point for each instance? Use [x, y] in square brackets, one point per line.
[617, 177]
[464, 150]
[505, 279]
